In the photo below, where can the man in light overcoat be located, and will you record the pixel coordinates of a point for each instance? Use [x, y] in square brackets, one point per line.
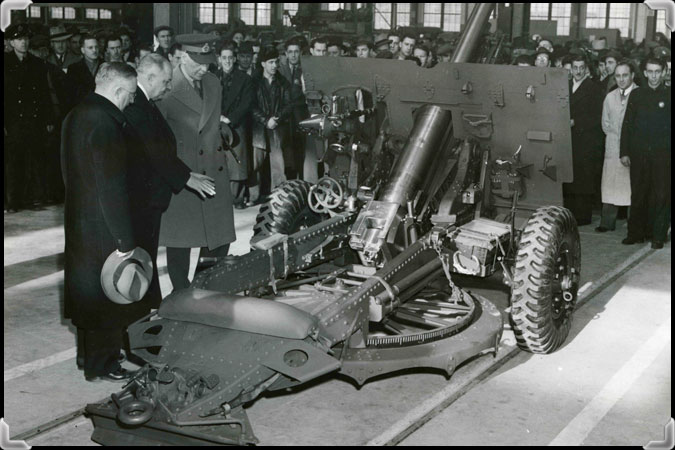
[192, 110]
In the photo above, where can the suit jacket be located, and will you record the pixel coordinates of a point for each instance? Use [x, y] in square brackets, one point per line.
[646, 129]
[67, 62]
[97, 213]
[587, 136]
[237, 104]
[300, 111]
[155, 169]
[190, 221]
[80, 81]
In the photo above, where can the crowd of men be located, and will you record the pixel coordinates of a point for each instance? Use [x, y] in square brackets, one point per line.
[153, 147]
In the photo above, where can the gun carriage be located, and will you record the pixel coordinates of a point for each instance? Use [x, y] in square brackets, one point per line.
[431, 173]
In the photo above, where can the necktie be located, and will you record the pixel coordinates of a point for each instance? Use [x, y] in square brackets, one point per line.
[198, 87]
[623, 96]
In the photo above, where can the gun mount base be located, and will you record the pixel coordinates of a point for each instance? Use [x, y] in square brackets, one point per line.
[108, 430]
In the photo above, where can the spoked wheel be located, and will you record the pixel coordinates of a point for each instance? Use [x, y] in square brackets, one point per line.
[546, 280]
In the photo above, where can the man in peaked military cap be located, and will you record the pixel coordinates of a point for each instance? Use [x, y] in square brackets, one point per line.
[28, 115]
[193, 109]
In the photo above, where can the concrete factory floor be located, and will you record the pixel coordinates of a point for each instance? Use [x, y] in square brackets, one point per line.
[609, 385]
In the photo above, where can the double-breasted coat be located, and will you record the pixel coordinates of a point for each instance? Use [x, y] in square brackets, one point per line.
[236, 106]
[190, 221]
[615, 187]
[94, 161]
[586, 111]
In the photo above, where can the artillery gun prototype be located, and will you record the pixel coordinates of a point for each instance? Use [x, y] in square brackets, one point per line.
[431, 173]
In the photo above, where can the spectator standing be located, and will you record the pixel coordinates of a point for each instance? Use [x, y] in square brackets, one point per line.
[192, 109]
[235, 113]
[28, 116]
[542, 58]
[407, 46]
[113, 49]
[164, 36]
[128, 50]
[271, 112]
[394, 44]
[175, 53]
[75, 42]
[60, 56]
[98, 219]
[615, 186]
[81, 75]
[156, 172]
[245, 58]
[363, 48]
[291, 70]
[585, 113]
[645, 145]
[422, 53]
[611, 58]
[334, 47]
[318, 46]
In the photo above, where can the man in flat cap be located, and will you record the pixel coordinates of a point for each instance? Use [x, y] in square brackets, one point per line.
[193, 109]
[164, 36]
[271, 112]
[28, 116]
[61, 56]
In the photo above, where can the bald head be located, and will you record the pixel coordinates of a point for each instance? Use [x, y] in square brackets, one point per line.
[154, 74]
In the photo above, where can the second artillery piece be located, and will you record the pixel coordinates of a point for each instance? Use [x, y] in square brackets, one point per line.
[431, 173]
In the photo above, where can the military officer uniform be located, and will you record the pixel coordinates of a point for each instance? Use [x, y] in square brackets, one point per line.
[192, 110]
[28, 111]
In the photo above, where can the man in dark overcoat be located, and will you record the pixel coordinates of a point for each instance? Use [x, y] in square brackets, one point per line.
[156, 172]
[28, 116]
[291, 70]
[192, 109]
[646, 147]
[236, 113]
[587, 139]
[81, 74]
[98, 219]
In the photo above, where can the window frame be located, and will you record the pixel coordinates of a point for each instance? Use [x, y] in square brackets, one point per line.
[255, 15]
[213, 10]
[286, 21]
[549, 16]
[393, 16]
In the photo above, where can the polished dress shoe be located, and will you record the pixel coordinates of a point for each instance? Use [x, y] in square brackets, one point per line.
[80, 360]
[116, 376]
[631, 241]
[657, 245]
[602, 229]
[240, 206]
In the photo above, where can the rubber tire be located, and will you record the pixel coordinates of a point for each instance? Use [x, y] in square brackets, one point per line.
[286, 211]
[532, 315]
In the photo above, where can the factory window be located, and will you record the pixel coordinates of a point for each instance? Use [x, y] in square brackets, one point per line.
[256, 13]
[447, 16]
[335, 6]
[560, 12]
[213, 12]
[105, 14]
[382, 16]
[34, 12]
[596, 15]
[91, 13]
[660, 22]
[619, 17]
[402, 14]
[68, 13]
[292, 9]
[56, 12]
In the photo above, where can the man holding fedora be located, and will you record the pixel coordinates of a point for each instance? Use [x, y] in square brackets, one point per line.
[60, 56]
[98, 223]
[156, 172]
[192, 110]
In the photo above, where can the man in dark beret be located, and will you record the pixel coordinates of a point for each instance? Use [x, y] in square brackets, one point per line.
[164, 35]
